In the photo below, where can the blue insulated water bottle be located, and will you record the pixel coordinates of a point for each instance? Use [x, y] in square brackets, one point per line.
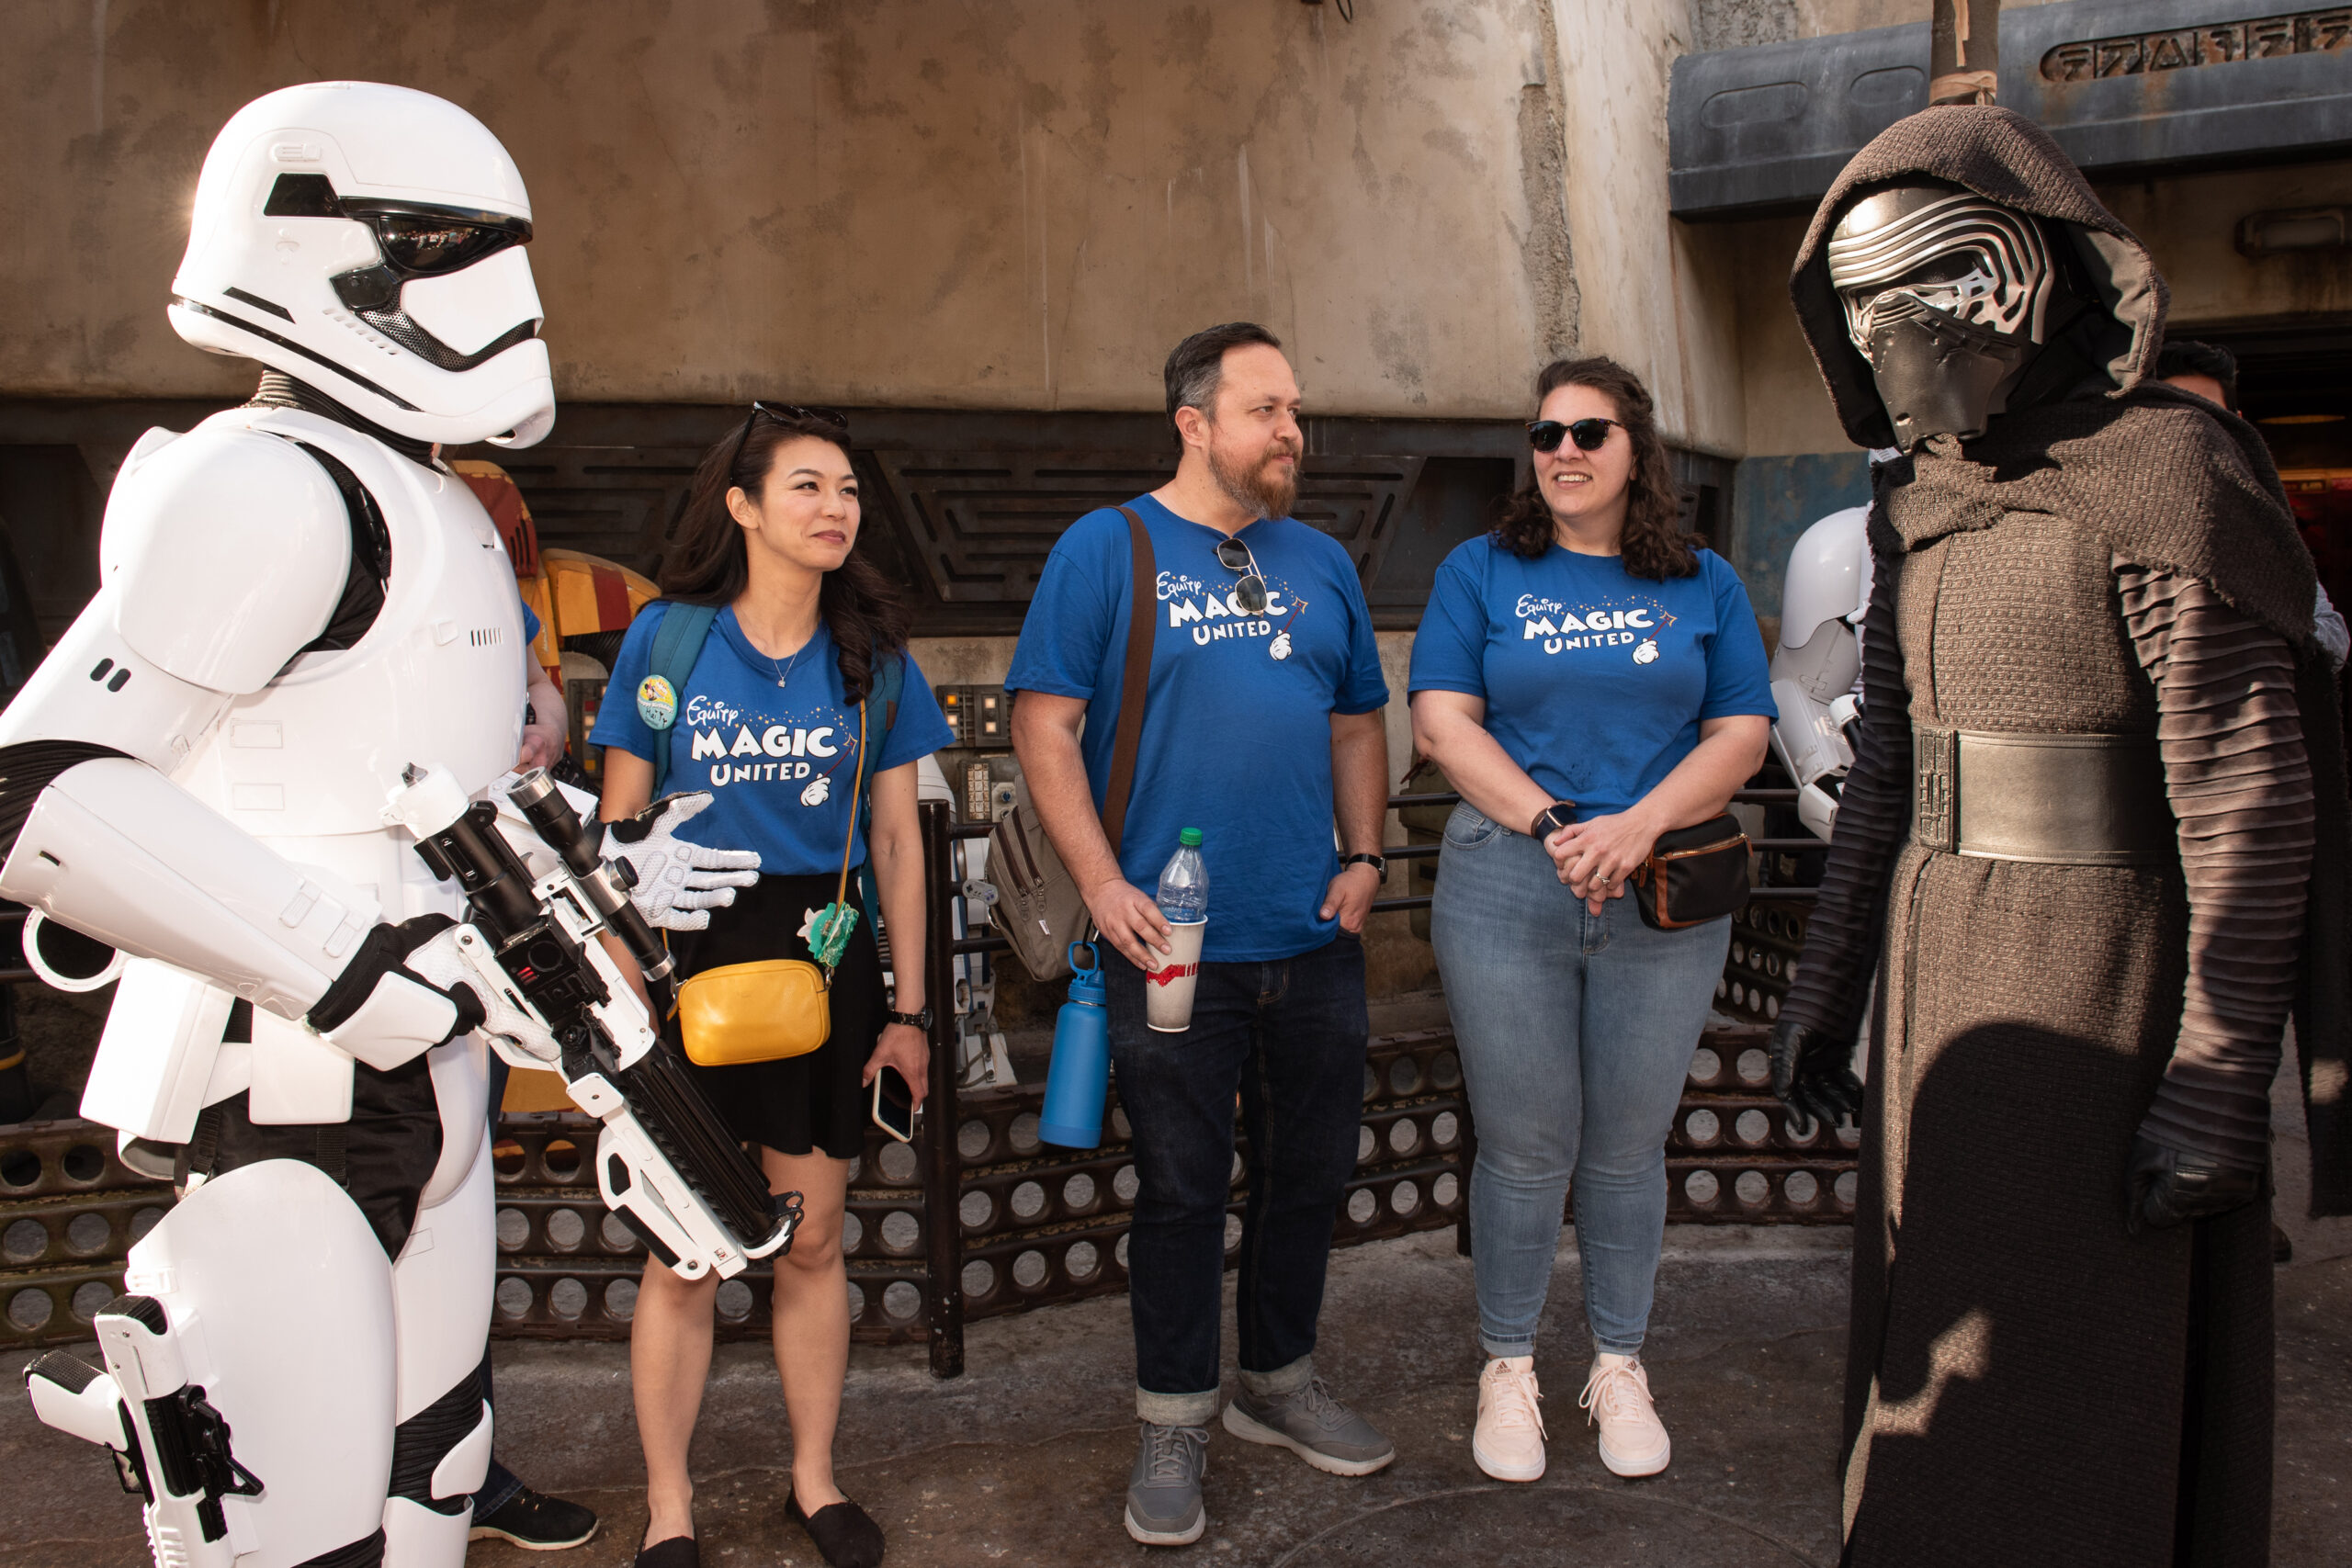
[1081, 1076]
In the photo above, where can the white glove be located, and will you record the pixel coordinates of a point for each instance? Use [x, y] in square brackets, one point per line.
[678, 883]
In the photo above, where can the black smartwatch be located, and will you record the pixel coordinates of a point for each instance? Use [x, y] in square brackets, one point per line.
[1379, 867]
[1552, 819]
[913, 1019]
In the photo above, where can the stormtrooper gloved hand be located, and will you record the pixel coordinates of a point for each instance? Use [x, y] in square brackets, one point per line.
[407, 989]
[678, 883]
[1813, 1074]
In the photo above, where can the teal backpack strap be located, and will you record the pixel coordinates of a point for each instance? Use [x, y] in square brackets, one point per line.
[889, 682]
[677, 644]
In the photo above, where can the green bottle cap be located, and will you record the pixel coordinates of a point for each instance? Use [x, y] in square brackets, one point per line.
[1190, 838]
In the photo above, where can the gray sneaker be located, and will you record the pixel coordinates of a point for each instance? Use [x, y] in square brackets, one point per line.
[1164, 1488]
[1313, 1426]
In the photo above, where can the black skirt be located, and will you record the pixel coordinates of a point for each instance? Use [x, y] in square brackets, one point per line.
[802, 1104]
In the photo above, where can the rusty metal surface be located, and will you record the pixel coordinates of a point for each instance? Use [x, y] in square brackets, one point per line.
[69, 1213]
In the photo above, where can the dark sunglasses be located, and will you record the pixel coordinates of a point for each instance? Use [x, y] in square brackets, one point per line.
[1251, 591]
[1589, 435]
[784, 413]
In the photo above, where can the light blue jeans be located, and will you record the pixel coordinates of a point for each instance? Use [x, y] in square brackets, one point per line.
[1576, 1032]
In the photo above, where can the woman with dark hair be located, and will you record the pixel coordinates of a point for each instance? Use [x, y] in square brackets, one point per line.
[769, 722]
[1588, 677]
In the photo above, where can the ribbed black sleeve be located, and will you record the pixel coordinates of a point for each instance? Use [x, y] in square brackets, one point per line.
[1849, 924]
[2240, 783]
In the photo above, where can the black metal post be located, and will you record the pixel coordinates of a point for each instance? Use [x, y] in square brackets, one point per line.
[942, 1164]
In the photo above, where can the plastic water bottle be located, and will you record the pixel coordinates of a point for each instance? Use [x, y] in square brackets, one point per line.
[1185, 881]
[1184, 900]
[1081, 1076]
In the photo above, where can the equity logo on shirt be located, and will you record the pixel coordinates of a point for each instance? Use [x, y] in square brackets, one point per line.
[1559, 628]
[764, 751]
[1214, 614]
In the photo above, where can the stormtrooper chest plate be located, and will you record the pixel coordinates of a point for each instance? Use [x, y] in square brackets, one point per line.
[439, 677]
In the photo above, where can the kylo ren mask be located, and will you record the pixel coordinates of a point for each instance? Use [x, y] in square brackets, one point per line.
[1948, 296]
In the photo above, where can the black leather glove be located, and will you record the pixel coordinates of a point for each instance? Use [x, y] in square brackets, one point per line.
[2165, 1188]
[1813, 1074]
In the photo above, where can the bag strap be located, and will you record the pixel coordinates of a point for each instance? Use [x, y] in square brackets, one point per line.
[889, 681]
[677, 644]
[849, 834]
[1128, 737]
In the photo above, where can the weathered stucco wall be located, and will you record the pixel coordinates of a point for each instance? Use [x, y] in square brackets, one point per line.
[1016, 204]
[1651, 292]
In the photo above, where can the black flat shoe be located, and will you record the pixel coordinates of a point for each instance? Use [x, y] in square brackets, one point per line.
[678, 1551]
[844, 1535]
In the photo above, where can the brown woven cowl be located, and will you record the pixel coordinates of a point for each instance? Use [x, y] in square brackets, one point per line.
[2027, 1380]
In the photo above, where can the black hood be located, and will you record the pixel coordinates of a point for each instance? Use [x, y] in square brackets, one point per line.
[2003, 157]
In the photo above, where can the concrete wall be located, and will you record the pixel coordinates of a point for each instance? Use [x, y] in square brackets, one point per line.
[1651, 292]
[1017, 204]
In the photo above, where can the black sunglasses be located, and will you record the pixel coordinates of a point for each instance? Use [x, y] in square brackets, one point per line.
[1589, 435]
[1251, 591]
[784, 413]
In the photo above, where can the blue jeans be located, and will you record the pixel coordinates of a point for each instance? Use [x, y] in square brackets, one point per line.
[1576, 1032]
[1288, 1038]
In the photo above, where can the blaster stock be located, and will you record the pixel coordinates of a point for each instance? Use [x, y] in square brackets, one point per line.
[665, 1162]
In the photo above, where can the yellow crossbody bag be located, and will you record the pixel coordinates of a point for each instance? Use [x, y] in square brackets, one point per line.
[777, 1008]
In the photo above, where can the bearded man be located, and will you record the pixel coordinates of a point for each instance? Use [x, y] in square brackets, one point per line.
[1260, 694]
[2095, 707]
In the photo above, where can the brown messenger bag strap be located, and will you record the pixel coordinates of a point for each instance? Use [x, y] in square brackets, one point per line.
[1128, 737]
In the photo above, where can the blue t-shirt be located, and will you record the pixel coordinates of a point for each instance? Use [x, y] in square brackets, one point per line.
[778, 759]
[1237, 729]
[1595, 680]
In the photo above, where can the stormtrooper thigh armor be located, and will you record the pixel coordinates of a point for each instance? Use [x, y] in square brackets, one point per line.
[291, 610]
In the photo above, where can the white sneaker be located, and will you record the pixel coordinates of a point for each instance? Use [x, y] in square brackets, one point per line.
[1632, 1440]
[1508, 1443]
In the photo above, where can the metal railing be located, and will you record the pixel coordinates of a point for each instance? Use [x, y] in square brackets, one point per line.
[978, 1217]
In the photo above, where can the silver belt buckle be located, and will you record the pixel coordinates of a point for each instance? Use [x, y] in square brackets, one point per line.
[1935, 804]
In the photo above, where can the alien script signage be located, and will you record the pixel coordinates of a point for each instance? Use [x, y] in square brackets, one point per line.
[2215, 43]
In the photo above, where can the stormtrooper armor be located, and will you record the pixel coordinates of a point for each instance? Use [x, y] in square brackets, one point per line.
[296, 602]
[1817, 668]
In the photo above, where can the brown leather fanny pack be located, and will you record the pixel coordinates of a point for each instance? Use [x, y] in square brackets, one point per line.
[2057, 799]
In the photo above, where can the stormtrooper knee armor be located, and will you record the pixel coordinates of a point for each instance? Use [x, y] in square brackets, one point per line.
[296, 600]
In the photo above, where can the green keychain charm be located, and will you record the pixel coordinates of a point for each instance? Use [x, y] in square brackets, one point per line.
[836, 922]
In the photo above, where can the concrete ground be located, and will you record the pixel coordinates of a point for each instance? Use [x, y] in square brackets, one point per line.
[1024, 1459]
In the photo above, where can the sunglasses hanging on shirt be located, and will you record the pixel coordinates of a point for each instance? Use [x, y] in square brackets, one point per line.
[1251, 591]
[1589, 435]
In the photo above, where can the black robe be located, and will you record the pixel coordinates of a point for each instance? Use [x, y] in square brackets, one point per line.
[2027, 1380]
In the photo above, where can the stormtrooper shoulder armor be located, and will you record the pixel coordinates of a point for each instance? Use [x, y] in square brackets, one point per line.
[227, 550]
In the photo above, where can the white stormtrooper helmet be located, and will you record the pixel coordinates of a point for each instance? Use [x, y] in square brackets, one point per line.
[367, 239]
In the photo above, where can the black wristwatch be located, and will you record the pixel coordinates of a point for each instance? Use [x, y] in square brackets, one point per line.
[1379, 867]
[913, 1019]
[1552, 819]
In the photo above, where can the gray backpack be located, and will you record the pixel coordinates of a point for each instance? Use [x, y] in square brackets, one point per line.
[1038, 907]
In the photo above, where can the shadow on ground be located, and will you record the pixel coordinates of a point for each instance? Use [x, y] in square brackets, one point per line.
[1024, 1459]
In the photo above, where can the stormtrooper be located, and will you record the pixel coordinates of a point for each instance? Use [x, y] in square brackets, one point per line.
[2093, 840]
[298, 603]
[1817, 667]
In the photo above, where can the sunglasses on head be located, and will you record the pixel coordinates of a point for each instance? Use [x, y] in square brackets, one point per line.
[784, 413]
[1589, 435]
[1251, 591]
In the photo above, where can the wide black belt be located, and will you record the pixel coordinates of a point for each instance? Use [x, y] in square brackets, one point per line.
[2059, 799]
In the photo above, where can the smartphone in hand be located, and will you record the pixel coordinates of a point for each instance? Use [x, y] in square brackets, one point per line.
[894, 1105]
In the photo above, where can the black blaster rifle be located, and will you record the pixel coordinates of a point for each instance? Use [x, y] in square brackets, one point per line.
[665, 1162]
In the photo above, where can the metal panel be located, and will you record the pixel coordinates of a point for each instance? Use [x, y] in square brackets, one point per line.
[2122, 85]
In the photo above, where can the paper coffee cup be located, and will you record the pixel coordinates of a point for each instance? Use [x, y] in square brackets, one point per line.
[1168, 990]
